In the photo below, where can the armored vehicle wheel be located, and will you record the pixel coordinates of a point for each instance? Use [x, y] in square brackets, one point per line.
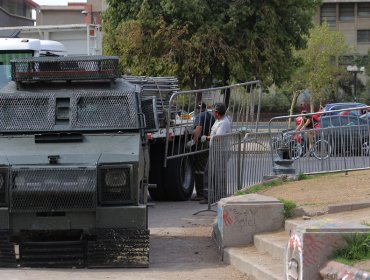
[179, 178]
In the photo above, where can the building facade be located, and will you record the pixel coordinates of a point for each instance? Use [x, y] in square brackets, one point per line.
[16, 12]
[351, 18]
[74, 13]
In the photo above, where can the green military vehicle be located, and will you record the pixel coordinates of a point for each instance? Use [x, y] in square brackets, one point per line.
[74, 165]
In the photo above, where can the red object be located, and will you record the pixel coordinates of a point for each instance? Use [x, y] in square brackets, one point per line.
[298, 120]
[297, 137]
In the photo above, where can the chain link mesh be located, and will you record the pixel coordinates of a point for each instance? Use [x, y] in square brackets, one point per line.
[104, 109]
[65, 68]
[27, 112]
[47, 189]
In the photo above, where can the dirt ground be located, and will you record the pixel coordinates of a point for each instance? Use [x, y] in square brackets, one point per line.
[316, 194]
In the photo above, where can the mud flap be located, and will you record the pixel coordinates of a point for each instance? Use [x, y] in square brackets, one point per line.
[119, 248]
[7, 253]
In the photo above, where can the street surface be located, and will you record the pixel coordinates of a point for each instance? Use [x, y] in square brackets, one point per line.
[181, 248]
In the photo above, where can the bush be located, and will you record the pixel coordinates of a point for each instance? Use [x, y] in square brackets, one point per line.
[289, 207]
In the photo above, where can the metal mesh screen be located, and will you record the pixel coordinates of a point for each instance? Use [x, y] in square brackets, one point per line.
[150, 112]
[27, 112]
[104, 109]
[47, 189]
[65, 68]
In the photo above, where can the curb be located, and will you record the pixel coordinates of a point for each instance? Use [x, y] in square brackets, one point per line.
[332, 209]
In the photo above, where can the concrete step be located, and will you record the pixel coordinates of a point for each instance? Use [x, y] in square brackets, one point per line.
[253, 262]
[291, 225]
[274, 243]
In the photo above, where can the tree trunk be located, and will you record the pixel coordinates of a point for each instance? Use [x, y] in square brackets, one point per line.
[294, 101]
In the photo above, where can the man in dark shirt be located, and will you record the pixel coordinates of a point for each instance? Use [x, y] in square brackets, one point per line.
[202, 123]
[202, 127]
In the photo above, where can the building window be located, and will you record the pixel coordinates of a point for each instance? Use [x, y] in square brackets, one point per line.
[346, 11]
[363, 9]
[328, 13]
[363, 36]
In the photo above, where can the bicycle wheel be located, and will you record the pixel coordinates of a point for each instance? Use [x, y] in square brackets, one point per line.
[322, 149]
[295, 149]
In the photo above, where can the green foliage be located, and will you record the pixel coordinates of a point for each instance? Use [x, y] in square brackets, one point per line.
[277, 103]
[208, 42]
[319, 69]
[289, 207]
[260, 187]
[302, 176]
[358, 247]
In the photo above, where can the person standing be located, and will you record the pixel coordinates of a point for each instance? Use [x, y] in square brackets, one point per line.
[202, 127]
[220, 127]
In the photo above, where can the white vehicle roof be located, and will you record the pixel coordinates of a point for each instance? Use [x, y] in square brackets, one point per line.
[52, 47]
[19, 44]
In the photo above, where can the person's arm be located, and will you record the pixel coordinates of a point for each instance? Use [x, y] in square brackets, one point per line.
[307, 122]
[197, 132]
[301, 125]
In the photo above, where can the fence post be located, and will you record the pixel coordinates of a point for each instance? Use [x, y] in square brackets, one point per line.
[239, 161]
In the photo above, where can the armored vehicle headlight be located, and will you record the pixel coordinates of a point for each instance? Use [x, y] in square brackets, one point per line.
[115, 178]
[115, 185]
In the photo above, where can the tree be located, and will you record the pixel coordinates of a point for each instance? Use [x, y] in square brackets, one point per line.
[319, 69]
[206, 42]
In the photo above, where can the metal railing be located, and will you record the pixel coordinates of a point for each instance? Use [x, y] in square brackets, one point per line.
[340, 142]
[238, 160]
[243, 106]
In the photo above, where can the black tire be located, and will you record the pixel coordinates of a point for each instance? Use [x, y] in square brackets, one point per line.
[156, 172]
[179, 178]
[322, 149]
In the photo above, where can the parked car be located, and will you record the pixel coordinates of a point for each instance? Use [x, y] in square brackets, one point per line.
[345, 105]
[346, 134]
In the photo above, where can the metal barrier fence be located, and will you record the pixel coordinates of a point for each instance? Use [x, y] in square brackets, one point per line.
[243, 109]
[224, 165]
[237, 160]
[339, 142]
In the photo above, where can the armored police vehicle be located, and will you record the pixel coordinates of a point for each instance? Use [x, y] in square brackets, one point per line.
[73, 165]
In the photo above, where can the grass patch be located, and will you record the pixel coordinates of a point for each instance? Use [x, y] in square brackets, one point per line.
[263, 186]
[357, 249]
[289, 207]
[302, 176]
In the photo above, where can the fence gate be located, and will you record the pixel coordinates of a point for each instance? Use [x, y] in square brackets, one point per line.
[243, 102]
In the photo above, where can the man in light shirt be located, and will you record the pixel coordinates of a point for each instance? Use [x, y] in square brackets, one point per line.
[220, 127]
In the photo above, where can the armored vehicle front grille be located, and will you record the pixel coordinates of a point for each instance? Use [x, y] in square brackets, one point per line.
[115, 185]
[51, 189]
[65, 68]
[27, 112]
[105, 109]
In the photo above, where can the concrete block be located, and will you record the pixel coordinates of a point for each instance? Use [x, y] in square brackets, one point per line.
[313, 244]
[336, 271]
[240, 217]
